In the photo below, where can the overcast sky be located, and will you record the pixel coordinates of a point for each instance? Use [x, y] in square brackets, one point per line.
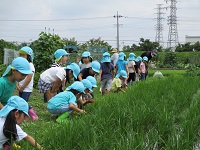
[23, 20]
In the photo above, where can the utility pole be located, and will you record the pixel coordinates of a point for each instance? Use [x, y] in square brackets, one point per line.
[159, 25]
[172, 21]
[117, 16]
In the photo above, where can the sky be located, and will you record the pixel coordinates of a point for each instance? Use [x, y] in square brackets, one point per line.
[23, 20]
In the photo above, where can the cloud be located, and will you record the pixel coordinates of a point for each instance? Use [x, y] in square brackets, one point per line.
[92, 19]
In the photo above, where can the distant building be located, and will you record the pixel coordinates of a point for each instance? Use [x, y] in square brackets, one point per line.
[192, 39]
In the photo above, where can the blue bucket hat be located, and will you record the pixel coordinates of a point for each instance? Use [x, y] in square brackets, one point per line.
[14, 102]
[139, 58]
[136, 60]
[20, 64]
[122, 73]
[121, 56]
[145, 58]
[27, 50]
[131, 56]
[92, 80]
[87, 84]
[86, 54]
[77, 85]
[95, 66]
[106, 57]
[75, 68]
[59, 53]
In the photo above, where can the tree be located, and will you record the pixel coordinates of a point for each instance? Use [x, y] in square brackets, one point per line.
[44, 49]
[71, 45]
[187, 47]
[147, 45]
[97, 45]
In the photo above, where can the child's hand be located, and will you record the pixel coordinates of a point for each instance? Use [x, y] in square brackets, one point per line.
[82, 111]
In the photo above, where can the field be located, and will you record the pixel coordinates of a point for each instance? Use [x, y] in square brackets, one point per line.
[160, 113]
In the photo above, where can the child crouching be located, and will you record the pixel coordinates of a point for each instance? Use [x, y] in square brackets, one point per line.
[64, 103]
[118, 80]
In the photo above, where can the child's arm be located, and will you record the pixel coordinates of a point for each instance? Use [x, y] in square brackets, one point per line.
[56, 85]
[116, 69]
[32, 142]
[100, 73]
[73, 107]
[80, 76]
[120, 89]
[1, 106]
[127, 69]
[26, 82]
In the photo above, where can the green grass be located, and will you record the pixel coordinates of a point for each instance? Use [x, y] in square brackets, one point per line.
[165, 116]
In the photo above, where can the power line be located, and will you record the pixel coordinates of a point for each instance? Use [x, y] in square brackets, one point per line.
[55, 19]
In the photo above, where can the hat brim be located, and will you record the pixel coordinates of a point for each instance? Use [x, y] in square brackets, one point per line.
[7, 70]
[130, 59]
[121, 58]
[25, 71]
[69, 88]
[97, 71]
[106, 60]
[6, 109]
[124, 77]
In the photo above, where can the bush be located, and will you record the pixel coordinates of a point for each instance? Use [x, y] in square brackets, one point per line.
[2, 69]
[170, 60]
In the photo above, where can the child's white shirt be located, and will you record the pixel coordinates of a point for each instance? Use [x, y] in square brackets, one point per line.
[29, 87]
[131, 63]
[50, 75]
[82, 66]
[21, 134]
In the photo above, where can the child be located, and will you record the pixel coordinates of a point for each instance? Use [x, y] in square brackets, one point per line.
[121, 63]
[14, 73]
[143, 68]
[51, 79]
[85, 97]
[114, 57]
[91, 71]
[106, 73]
[64, 103]
[11, 116]
[25, 87]
[131, 64]
[117, 82]
[138, 60]
[61, 58]
[90, 96]
[85, 60]
[93, 81]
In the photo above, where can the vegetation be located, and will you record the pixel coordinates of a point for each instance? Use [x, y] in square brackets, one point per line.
[165, 116]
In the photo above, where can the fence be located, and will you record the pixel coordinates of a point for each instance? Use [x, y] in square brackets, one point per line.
[9, 55]
[74, 56]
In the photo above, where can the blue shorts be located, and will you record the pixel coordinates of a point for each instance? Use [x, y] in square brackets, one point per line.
[61, 110]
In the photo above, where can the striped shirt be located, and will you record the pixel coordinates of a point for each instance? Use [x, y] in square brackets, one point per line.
[56, 64]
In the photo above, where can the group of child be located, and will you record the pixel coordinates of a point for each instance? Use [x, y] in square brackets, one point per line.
[52, 82]
[116, 73]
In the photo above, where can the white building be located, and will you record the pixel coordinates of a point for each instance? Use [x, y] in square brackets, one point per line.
[192, 39]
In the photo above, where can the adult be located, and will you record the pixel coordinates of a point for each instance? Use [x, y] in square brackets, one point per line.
[150, 54]
[114, 57]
